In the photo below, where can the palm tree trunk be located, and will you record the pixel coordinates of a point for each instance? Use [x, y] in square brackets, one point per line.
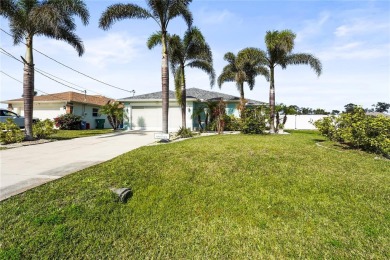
[183, 98]
[242, 98]
[242, 91]
[272, 101]
[165, 83]
[28, 88]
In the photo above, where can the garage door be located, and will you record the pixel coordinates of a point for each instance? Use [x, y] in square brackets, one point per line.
[150, 118]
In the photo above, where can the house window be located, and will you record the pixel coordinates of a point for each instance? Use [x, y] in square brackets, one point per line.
[95, 112]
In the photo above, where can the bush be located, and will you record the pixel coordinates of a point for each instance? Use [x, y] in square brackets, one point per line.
[232, 123]
[356, 129]
[68, 122]
[43, 129]
[253, 120]
[185, 132]
[10, 132]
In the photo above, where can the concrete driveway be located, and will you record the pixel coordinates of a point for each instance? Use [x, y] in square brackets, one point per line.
[26, 167]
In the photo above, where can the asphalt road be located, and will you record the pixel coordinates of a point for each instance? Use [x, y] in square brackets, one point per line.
[26, 167]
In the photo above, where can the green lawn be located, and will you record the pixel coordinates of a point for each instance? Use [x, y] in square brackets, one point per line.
[230, 196]
[70, 134]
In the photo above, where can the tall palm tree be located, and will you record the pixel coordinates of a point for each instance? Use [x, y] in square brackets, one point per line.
[191, 51]
[279, 47]
[243, 68]
[50, 18]
[162, 12]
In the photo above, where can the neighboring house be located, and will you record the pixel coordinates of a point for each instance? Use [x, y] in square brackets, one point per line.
[144, 112]
[53, 105]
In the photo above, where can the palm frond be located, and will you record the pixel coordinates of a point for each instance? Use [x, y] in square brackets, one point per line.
[72, 7]
[180, 8]
[225, 76]
[119, 12]
[230, 57]
[65, 35]
[154, 40]
[307, 59]
[206, 67]
[8, 8]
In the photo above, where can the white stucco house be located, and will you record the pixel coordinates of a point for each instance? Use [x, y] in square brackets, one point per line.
[144, 112]
[53, 105]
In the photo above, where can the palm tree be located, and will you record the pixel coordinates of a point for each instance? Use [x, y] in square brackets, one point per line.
[191, 51]
[279, 46]
[162, 12]
[243, 68]
[50, 18]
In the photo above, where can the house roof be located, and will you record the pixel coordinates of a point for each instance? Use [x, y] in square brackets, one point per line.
[377, 114]
[192, 93]
[69, 96]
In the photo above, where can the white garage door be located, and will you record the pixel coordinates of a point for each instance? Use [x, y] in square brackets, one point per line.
[150, 118]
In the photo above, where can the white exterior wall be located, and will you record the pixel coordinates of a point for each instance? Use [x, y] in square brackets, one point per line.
[301, 122]
[42, 110]
[48, 110]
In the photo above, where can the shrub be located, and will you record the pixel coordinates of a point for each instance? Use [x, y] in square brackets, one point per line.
[356, 129]
[114, 112]
[10, 132]
[185, 132]
[253, 120]
[43, 129]
[232, 123]
[68, 122]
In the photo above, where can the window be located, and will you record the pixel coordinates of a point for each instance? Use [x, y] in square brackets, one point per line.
[95, 112]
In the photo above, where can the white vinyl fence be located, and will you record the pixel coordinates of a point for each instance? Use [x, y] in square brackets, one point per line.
[301, 122]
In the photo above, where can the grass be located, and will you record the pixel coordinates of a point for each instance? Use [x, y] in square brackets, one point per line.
[71, 134]
[230, 196]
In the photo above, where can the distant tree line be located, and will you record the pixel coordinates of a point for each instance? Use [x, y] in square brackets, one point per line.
[381, 107]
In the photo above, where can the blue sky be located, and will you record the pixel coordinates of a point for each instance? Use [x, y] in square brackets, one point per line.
[351, 38]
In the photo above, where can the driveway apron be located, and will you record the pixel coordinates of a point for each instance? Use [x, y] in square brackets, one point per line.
[26, 167]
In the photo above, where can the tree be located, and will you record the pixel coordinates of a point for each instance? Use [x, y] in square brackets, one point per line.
[350, 107]
[50, 18]
[162, 12]
[381, 107]
[320, 111]
[243, 68]
[279, 52]
[114, 112]
[191, 51]
[335, 112]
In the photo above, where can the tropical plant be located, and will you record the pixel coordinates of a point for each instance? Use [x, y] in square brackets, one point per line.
[68, 122]
[191, 51]
[253, 120]
[10, 132]
[185, 133]
[50, 18]
[279, 52]
[43, 129]
[162, 12]
[356, 129]
[219, 115]
[243, 68]
[114, 112]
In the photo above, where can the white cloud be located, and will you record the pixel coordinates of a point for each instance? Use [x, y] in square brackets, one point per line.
[313, 27]
[362, 26]
[217, 17]
[118, 48]
[354, 50]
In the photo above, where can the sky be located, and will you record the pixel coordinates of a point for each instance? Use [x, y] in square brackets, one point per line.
[350, 38]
